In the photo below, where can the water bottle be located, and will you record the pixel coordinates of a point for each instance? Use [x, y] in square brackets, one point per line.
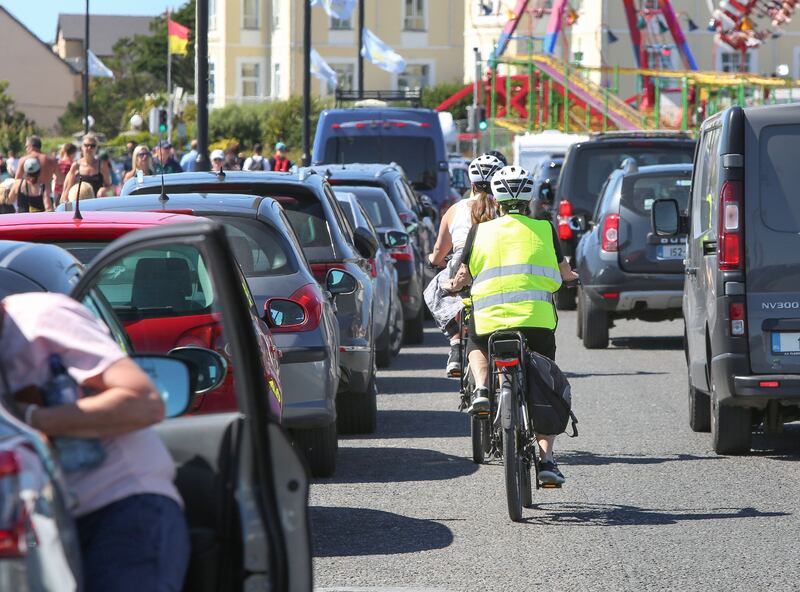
[75, 454]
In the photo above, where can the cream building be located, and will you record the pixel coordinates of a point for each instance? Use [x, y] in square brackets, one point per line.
[256, 47]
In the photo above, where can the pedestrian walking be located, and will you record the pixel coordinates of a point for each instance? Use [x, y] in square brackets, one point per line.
[11, 162]
[217, 160]
[142, 161]
[165, 162]
[66, 157]
[48, 167]
[29, 193]
[279, 162]
[189, 160]
[256, 162]
[89, 169]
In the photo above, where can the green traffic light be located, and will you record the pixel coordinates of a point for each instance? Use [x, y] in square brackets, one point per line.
[483, 125]
[162, 128]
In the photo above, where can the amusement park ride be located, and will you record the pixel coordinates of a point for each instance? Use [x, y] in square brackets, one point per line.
[549, 93]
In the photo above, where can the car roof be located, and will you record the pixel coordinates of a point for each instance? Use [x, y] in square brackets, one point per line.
[358, 170]
[300, 177]
[180, 202]
[90, 218]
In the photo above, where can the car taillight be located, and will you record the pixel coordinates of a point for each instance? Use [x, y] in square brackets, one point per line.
[730, 239]
[565, 208]
[336, 126]
[610, 236]
[13, 519]
[320, 270]
[564, 231]
[403, 253]
[373, 267]
[406, 217]
[209, 336]
[737, 316]
[308, 297]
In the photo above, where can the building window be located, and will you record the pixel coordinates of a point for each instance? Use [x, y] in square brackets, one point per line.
[250, 14]
[276, 80]
[414, 15]
[250, 74]
[212, 14]
[212, 81]
[276, 14]
[731, 61]
[415, 77]
[341, 24]
[346, 76]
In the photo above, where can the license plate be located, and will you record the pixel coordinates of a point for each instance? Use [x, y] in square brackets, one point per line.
[672, 251]
[786, 343]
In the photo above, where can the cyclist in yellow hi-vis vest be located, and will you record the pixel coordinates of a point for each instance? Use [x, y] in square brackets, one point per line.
[515, 265]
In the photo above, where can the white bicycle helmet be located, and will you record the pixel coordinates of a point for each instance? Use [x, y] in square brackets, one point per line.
[512, 184]
[482, 169]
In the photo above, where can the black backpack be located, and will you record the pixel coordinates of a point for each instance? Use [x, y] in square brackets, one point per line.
[549, 396]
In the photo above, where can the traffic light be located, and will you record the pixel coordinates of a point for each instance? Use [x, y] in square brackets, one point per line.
[482, 123]
[476, 119]
[162, 121]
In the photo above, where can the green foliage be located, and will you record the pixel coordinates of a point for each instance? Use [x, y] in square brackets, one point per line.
[137, 138]
[244, 122]
[14, 126]
[434, 95]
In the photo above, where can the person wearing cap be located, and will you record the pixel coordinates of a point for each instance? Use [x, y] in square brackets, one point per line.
[279, 162]
[24, 192]
[165, 162]
[217, 160]
[48, 167]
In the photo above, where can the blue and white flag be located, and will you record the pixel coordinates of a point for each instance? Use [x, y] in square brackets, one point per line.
[380, 54]
[339, 9]
[97, 68]
[321, 69]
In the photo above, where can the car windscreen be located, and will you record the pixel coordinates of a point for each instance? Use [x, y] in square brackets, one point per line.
[594, 165]
[779, 177]
[308, 220]
[258, 247]
[83, 251]
[347, 209]
[416, 154]
[380, 210]
[640, 195]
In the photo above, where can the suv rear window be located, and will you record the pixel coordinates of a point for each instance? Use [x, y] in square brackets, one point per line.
[779, 177]
[594, 164]
[646, 190]
[307, 217]
[258, 248]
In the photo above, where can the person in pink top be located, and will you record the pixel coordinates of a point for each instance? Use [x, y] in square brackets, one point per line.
[129, 514]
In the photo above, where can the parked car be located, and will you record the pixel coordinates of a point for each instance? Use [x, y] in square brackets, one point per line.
[186, 322]
[626, 270]
[417, 217]
[586, 167]
[411, 137]
[277, 274]
[741, 299]
[531, 149]
[328, 242]
[242, 465]
[388, 312]
[459, 174]
[545, 186]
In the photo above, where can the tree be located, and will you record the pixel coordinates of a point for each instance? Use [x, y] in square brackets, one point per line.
[14, 125]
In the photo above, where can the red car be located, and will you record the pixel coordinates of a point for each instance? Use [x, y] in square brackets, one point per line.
[163, 303]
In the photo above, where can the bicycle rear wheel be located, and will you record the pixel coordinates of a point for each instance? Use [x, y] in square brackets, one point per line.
[511, 463]
[477, 427]
[525, 484]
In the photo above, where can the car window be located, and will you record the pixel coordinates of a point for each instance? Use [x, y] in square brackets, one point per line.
[379, 209]
[101, 309]
[779, 177]
[347, 210]
[308, 220]
[459, 178]
[404, 195]
[344, 224]
[258, 248]
[291, 236]
[640, 196]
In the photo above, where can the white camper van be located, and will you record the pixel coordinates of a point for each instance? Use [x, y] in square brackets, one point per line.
[532, 149]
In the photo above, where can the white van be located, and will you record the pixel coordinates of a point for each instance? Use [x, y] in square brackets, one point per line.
[531, 149]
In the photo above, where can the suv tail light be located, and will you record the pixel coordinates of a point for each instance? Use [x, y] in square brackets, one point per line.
[13, 517]
[308, 297]
[730, 237]
[403, 253]
[320, 270]
[610, 236]
[737, 316]
[373, 267]
[565, 208]
[565, 231]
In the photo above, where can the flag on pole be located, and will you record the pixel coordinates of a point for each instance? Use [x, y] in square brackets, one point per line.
[178, 37]
[97, 68]
[380, 54]
[339, 9]
[321, 69]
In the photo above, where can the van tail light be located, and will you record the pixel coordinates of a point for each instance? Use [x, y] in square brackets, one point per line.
[730, 237]
[13, 516]
[610, 236]
[565, 231]
[565, 208]
[373, 267]
[336, 126]
[309, 298]
[737, 316]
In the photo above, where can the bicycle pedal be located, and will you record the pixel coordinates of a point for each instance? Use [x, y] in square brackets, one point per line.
[550, 485]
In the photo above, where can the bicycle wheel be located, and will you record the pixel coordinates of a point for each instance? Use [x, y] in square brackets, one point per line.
[512, 465]
[476, 428]
[525, 484]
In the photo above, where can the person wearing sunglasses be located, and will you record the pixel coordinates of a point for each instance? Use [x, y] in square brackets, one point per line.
[142, 161]
[89, 169]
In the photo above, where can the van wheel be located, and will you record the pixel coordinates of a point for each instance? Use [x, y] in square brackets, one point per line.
[595, 325]
[579, 319]
[415, 328]
[397, 331]
[357, 413]
[565, 298]
[319, 447]
[699, 409]
[383, 345]
[730, 428]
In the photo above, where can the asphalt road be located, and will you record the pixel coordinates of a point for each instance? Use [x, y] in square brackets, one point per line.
[647, 504]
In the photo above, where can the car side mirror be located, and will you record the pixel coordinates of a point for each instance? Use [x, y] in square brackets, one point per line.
[395, 239]
[339, 281]
[282, 314]
[546, 192]
[210, 367]
[173, 378]
[666, 217]
[365, 243]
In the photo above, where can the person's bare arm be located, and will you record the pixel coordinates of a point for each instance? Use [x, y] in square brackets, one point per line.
[567, 274]
[20, 172]
[73, 170]
[126, 400]
[13, 193]
[105, 170]
[444, 242]
[461, 279]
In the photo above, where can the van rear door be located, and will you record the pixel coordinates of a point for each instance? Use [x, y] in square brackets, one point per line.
[772, 235]
[640, 249]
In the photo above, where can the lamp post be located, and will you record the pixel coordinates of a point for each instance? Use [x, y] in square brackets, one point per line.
[360, 46]
[86, 125]
[201, 83]
[306, 82]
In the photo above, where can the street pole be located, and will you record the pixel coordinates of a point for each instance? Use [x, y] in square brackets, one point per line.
[169, 84]
[306, 82]
[360, 46]
[86, 71]
[476, 89]
[201, 83]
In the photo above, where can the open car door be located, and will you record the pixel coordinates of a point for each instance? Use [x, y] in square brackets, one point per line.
[244, 487]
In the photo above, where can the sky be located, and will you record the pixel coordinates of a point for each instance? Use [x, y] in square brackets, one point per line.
[40, 16]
